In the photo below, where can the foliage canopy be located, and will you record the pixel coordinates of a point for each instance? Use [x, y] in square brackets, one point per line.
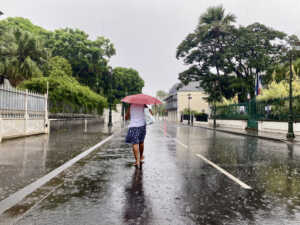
[75, 66]
[226, 59]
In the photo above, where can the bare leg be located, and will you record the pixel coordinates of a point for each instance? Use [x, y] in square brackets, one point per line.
[141, 147]
[135, 148]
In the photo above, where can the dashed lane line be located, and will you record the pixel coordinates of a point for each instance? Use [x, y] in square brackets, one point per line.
[179, 142]
[230, 176]
[241, 183]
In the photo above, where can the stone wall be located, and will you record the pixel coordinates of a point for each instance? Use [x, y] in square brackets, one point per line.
[22, 113]
[12, 127]
[263, 126]
[277, 127]
[237, 124]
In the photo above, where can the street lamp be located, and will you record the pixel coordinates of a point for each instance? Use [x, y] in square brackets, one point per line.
[189, 98]
[110, 74]
[214, 106]
[290, 134]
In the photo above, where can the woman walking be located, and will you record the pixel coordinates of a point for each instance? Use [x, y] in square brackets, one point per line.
[137, 126]
[137, 131]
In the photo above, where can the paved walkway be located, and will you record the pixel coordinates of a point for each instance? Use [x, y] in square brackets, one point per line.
[265, 135]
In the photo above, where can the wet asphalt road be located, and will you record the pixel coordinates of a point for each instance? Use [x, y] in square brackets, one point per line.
[24, 160]
[174, 186]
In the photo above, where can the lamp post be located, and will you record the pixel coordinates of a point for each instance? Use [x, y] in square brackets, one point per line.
[214, 106]
[110, 74]
[189, 98]
[290, 135]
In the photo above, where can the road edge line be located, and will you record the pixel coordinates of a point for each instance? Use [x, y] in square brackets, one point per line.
[18, 196]
[241, 183]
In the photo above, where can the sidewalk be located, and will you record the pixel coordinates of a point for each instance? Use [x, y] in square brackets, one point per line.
[252, 133]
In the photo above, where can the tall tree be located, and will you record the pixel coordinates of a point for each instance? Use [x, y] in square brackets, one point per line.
[88, 58]
[204, 50]
[22, 58]
[160, 109]
[24, 24]
[126, 81]
[161, 94]
[252, 51]
[226, 59]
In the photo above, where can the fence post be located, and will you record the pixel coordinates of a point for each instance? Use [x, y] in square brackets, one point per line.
[1, 125]
[85, 125]
[1, 129]
[47, 125]
[26, 111]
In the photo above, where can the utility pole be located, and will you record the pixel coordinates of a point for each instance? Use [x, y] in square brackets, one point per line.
[290, 135]
[189, 98]
[214, 106]
[110, 74]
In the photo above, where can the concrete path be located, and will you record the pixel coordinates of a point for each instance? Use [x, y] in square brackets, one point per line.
[252, 133]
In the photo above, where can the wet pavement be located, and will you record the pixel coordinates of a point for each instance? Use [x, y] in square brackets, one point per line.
[268, 135]
[174, 186]
[24, 160]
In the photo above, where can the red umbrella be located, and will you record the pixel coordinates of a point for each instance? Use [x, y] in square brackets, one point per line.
[141, 99]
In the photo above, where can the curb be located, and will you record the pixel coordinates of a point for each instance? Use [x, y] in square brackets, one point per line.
[243, 134]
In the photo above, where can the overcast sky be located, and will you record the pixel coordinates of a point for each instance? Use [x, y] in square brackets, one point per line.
[146, 32]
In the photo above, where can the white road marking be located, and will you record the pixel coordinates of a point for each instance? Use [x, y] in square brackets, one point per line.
[18, 196]
[179, 142]
[245, 186]
[36, 204]
[241, 183]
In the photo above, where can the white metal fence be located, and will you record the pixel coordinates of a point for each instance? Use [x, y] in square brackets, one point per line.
[15, 103]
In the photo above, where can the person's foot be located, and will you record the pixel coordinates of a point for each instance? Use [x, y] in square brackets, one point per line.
[142, 159]
[137, 164]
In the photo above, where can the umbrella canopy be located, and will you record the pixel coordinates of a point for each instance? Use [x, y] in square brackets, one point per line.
[141, 99]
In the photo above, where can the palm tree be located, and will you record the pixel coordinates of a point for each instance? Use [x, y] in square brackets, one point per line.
[213, 26]
[21, 59]
[215, 22]
[204, 50]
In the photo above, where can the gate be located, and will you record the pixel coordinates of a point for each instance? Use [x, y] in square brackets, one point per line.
[252, 119]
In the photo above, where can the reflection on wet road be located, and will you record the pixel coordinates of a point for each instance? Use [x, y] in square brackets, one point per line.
[174, 186]
[24, 160]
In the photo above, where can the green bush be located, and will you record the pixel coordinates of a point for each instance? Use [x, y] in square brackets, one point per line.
[66, 94]
[201, 117]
